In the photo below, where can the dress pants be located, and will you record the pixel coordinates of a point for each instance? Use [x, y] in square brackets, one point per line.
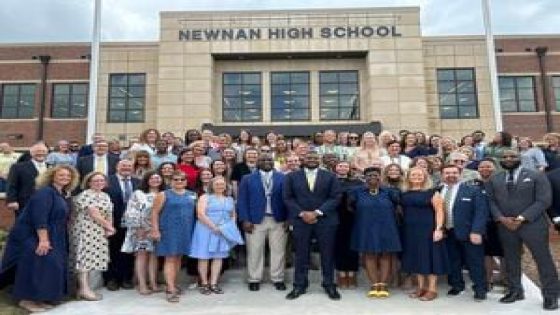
[535, 236]
[277, 236]
[463, 253]
[121, 265]
[325, 236]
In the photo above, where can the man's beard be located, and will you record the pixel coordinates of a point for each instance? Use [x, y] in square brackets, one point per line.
[510, 166]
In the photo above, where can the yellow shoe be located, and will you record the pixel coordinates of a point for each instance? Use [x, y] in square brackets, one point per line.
[382, 291]
[373, 292]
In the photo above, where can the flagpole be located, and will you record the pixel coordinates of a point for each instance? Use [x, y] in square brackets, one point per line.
[486, 14]
[93, 68]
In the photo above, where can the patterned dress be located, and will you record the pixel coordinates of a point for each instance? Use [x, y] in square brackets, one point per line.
[138, 215]
[90, 247]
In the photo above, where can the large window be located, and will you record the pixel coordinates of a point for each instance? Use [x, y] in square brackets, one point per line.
[127, 95]
[18, 101]
[556, 87]
[339, 95]
[69, 100]
[242, 97]
[457, 93]
[517, 94]
[290, 96]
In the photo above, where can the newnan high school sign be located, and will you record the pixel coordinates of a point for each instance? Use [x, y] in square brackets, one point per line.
[288, 33]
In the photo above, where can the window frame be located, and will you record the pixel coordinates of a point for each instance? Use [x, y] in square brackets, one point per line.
[515, 89]
[457, 94]
[339, 95]
[126, 98]
[556, 90]
[290, 84]
[241, 108]
[18, 100]
[70, 96]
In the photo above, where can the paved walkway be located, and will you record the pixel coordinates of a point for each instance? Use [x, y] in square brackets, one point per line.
[238, 300]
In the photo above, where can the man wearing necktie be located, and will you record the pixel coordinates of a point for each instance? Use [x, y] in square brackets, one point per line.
[21, 178]
[261, 210]
[312, 196]
[99, 161]
[121, 266]
[519, 198]
[465, 224]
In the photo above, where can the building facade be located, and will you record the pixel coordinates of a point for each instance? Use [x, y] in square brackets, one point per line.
[288, 71]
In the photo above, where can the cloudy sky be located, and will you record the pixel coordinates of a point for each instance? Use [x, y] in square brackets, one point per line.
[134, 20]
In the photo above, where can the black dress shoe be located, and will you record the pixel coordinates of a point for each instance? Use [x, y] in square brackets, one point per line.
[254, 286]
[295, 293]
[550, 303]
[512, 297]
[332, 293]
[127, 285]
[479, 296]
[280, 286]
[454, 292]
[112, 285]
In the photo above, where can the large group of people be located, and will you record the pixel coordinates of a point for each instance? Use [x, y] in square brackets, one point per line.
[407, 208]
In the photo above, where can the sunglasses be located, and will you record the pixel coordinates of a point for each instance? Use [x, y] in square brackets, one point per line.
[353, 138]
[179, 179]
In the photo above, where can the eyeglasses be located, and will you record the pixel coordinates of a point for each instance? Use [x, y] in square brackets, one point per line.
[179, 179]
[353, 138]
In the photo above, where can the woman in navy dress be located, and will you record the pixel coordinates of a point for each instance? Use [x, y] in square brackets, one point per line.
[172, 225]
[424, 252]
[375, 234]
[37, 251]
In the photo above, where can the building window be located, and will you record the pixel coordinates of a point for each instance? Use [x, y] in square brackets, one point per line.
[517, 94]
[457, 93]
[69, 100]
[127, 96]
[339, 95]
[242, 97]
[556, 87]
[18, 101]
[290, 96]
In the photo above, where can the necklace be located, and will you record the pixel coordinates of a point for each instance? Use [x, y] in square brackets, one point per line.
[374, 192]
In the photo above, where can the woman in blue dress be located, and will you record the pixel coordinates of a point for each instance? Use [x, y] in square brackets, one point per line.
[424, 252]
[215, 234]
[172, 224]
[375, 234]
[36, 256]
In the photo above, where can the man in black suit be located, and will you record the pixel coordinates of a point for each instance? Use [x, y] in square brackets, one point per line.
[21, 178]
[311, 196]
[554, 211]
[519, 198]
[87, 149]
[121, 266]
[99, 161]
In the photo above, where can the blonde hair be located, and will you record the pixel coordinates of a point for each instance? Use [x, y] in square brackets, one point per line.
[88, 177]
[47, 178]
[211, 184]
[428, 184]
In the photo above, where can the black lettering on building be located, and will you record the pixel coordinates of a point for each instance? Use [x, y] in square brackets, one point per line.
[383, 31]
[307, 32]
[255, 33]
[227, 34]
[196, 35]
[241, 34]
[367, 31]
[339, 32]
[394, 31]
[184, 34]
[353, 32]
[325, 32]
[273, 33]
[211, 34]
[293, 33]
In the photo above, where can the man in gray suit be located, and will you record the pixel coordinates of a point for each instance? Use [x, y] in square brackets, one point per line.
[519, 198]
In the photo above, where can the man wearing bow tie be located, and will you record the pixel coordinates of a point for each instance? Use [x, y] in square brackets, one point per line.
[519, 198]
[465, 224]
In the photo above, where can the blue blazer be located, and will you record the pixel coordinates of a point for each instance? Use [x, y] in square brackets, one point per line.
[251, 201]
[324, 197]
[470, 212]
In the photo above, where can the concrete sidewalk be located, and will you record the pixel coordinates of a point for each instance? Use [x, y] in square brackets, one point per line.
[238, 300]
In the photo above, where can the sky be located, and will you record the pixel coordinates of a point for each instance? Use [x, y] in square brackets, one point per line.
[138, 20]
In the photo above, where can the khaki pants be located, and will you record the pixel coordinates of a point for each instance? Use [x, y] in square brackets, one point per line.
[277, 236]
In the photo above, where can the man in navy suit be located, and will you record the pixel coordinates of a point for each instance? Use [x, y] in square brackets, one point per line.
[261, 210]
[311, 196]
[466, 216]
[554, 211]
[99, 161]
[121, 266]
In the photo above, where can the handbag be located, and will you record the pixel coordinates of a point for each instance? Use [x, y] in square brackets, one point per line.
[228, 229]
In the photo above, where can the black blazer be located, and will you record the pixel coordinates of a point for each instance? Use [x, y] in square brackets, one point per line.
[115, 192]
[21, 183]
[554, 178]
[324, 197]
[84, 165]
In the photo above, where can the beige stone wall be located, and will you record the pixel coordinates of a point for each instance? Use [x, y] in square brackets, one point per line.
[458, 52]
[392, 76]
[127, 58]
